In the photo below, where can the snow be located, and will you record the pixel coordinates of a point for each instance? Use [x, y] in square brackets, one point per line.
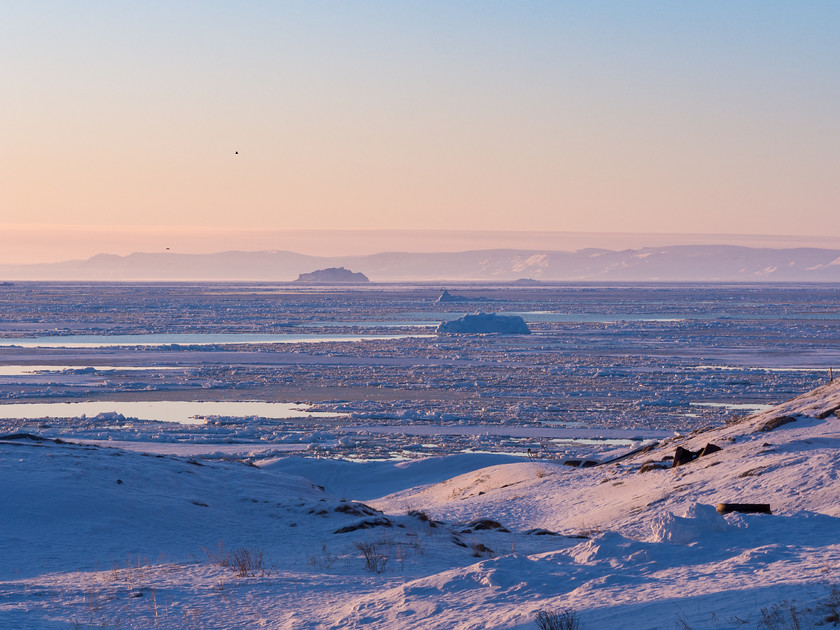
[102, 537]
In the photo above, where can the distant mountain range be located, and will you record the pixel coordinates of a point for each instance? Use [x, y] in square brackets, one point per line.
[677, 263]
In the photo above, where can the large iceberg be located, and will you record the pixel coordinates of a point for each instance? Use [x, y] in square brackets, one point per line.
[478, 323]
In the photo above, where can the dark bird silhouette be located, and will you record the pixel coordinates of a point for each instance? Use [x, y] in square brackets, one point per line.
[236, 152]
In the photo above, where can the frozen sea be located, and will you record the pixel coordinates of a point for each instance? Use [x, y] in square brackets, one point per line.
[358, 372]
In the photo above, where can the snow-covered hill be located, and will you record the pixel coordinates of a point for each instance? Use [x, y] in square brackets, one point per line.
[96, 537]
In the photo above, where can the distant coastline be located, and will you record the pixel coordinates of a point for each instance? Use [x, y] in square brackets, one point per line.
[681, 263]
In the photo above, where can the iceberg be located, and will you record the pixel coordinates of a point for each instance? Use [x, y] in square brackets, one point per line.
[479, 323]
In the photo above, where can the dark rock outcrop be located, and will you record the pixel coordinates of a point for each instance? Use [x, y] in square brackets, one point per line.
[744, 508]
[683, 456]
[484, 524]
[708, 450]
[653, 465]
[580, 463]
[368, 524]
[775, 423]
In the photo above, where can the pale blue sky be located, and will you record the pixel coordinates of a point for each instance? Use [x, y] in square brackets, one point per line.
[706, 116]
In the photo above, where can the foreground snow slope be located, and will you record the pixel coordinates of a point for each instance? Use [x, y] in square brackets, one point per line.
[95, 537]
[792, 467]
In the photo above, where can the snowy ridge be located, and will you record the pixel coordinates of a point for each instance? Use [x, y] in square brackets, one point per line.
[107, 538]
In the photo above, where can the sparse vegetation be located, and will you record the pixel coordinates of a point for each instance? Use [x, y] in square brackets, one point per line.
[558, 620]
[126, 596]
[419, 515]
[375, 558]
[831, 604]
[682, 622]
[248, 561]
[781, 616]
[413, 541]
[323, 561]
[244, 561]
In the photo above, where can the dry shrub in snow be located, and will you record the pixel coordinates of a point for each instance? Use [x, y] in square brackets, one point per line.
[375, 559]
[248, 561]
[414, 542]
[781, 616]
[558, 620]
[323, 561]
[420, 515]
[832, 605]
[244, 561]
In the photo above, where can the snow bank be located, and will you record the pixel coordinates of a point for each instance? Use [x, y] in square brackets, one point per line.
[698, 522]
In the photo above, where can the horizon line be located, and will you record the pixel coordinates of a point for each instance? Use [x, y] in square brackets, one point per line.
[24, 244]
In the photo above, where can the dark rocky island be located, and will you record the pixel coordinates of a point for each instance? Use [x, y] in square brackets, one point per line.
[333, 275]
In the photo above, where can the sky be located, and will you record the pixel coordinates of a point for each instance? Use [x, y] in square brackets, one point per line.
[176, 123]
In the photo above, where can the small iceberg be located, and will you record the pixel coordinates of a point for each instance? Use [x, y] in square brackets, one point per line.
[446, 296]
